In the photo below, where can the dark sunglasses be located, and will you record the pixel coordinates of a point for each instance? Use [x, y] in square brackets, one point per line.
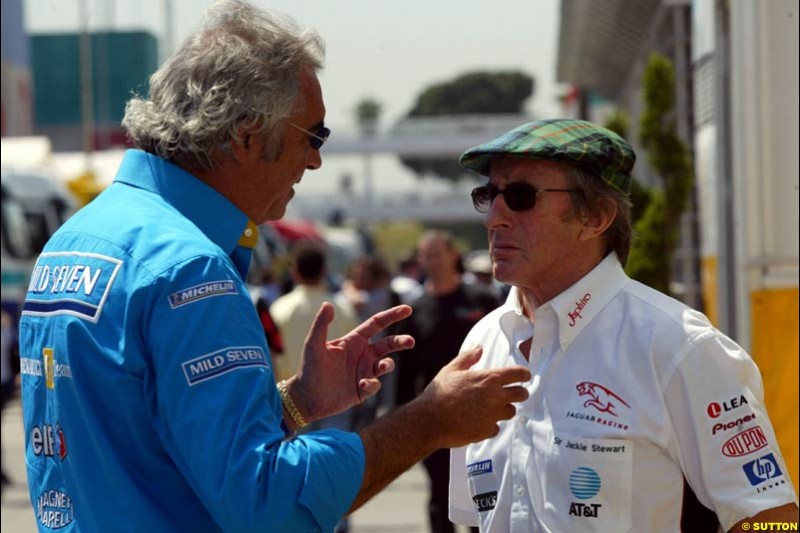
[316, 139]
[519, 196]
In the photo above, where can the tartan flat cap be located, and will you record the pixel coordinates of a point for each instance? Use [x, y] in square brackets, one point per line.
[569, 141]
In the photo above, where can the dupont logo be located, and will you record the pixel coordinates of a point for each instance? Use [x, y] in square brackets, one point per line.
[714, 409]
[762, 469]
[745, 443]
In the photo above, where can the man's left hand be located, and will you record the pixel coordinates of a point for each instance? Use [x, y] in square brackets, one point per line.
[335, 375]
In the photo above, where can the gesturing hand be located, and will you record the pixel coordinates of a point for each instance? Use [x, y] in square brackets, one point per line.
[334, 375]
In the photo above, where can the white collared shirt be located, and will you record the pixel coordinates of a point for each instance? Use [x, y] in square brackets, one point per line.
[632, 392]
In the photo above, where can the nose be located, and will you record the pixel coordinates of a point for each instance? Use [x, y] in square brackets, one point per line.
[498, 215]
[314, 159]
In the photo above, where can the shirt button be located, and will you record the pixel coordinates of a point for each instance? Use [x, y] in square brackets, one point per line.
[522, 419]
[248, 232]
[520, 490]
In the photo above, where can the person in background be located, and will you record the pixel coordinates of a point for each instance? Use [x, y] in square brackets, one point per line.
[406, 283]
[478, 269]
[294, 312]
[149, 399]
[442, 317]
[641, 416]
[366, 288]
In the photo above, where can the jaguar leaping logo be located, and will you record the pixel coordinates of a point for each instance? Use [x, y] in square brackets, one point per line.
[601, 398]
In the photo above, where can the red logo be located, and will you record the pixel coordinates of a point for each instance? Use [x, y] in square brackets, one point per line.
[714, 409]
[579, 305]
[745, 443]
[600, 397]
[735, 424]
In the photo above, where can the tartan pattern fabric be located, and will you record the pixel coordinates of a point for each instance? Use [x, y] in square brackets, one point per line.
[570, 141]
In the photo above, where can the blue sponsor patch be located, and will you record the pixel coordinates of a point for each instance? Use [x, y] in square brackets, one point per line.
[70, 283]
[481, 467]
[215, 364]
[762, 469]
[198, 292]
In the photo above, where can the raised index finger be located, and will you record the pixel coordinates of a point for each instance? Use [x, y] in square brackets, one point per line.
[382, 320]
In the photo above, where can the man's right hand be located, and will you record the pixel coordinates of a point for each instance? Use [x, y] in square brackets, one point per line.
[465, 405]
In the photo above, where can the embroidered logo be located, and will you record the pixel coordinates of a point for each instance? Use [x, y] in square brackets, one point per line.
[714, 409]
[54, 509]
[762, 469]
[199, 292]
[575, 314]
[481, 467]
[215, 364]
[70, 283]
[600, 397]
[486, 501]
[745, 443]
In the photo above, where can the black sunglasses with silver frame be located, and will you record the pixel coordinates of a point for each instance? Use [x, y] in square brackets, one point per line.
[519, 196]
[316, 139]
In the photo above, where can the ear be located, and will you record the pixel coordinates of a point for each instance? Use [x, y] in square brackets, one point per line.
[245, 147]
[596, 224]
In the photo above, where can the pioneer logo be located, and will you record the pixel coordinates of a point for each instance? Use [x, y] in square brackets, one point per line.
[714, 409]
[731, 425]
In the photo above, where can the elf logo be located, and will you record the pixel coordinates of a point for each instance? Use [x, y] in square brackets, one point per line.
[714, 409]
[49, 441]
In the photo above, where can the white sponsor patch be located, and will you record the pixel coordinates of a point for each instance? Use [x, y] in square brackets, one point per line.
[199, 292]
[215, 364]
[70, 283]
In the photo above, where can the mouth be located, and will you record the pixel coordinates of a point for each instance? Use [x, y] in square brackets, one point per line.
[502, 246]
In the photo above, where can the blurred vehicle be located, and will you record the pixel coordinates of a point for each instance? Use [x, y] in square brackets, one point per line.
[33, 207]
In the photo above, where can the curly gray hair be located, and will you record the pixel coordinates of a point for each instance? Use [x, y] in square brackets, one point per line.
[240, 71]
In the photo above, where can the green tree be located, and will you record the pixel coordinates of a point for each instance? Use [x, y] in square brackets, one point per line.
[368, 112]
[658, 230]
[473, 93]
[640, 195]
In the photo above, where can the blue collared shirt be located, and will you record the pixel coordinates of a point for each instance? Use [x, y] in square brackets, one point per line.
[148, 394]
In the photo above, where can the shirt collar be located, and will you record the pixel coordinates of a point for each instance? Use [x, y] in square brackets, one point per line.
[219, 219]
[576, 307]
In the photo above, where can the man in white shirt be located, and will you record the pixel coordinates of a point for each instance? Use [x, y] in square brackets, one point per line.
[641, 415]
[294, 312]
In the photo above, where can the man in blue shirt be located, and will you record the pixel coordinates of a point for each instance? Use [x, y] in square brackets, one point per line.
[149, 399]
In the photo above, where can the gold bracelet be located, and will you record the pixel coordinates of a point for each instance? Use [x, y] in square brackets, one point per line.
[294, 412]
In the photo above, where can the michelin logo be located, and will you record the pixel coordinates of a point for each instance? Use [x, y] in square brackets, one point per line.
[481, 467]
[70, 283]
[215, 364]
[198, 292]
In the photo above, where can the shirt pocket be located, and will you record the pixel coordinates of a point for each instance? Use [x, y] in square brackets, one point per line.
[587, 484]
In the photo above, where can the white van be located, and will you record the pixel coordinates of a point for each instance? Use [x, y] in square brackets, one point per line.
[33, 208]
